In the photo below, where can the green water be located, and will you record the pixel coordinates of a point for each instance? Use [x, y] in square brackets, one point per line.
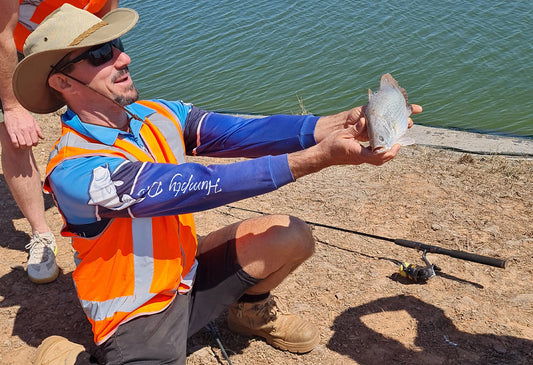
[469, 64]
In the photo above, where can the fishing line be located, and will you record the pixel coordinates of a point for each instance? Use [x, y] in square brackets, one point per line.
[485, 260]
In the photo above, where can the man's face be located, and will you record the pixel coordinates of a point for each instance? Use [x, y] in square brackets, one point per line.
[111, 78]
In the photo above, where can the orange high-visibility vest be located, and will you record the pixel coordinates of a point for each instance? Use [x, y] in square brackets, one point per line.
[30, 16]
[136, 266]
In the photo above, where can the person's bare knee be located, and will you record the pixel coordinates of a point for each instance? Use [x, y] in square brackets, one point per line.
[268, 247]
[279, 244]
[300, 239]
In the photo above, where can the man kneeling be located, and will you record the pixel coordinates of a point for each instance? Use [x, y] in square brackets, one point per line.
[126, 193]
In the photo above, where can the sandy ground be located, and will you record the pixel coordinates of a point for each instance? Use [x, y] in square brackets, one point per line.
[366, 313]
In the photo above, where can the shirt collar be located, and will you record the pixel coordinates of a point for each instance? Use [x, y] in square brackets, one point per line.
[102, 134]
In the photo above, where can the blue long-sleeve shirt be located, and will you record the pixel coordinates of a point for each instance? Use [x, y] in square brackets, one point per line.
[81, 186]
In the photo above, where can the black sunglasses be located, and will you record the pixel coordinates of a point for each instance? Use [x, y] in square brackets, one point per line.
[97, 55]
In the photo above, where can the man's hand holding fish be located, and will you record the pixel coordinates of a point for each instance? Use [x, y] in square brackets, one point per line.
[339, 138]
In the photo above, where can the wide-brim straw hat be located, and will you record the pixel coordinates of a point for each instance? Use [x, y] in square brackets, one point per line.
[63, 31]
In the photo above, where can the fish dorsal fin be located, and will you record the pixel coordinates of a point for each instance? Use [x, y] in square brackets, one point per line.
[405, 96]
[388, 79]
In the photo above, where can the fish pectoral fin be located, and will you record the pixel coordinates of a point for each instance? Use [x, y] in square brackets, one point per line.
[406, 141]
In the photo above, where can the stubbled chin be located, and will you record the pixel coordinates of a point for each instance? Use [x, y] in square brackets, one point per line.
[127, 97]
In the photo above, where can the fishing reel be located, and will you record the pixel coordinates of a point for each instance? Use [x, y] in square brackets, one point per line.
[418, 273]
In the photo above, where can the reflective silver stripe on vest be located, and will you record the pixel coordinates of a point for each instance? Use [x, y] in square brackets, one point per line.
[168, 129]
[74, 140]
[143, 270]
[141, 228]
[26, 11]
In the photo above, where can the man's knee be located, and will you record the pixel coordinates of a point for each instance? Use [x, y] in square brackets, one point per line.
[299, 238]
[266, 244]
[305, 234]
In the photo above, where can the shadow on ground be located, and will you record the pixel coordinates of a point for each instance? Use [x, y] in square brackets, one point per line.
[437, 339]
[39, 311]
[36, 311]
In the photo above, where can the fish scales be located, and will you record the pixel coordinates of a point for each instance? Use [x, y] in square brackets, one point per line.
[387, 114]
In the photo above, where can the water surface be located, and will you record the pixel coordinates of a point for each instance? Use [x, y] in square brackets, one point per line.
[469, 64]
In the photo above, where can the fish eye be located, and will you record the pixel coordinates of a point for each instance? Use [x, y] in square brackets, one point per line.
[381, 139]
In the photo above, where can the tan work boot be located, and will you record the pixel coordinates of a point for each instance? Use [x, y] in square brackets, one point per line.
[284, 331]
[57, 350]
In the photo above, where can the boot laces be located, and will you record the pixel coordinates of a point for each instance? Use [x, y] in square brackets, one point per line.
[270, 309]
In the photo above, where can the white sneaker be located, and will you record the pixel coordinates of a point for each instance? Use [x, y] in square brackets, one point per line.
[42, 267]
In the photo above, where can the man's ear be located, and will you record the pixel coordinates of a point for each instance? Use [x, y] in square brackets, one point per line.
[59, 82]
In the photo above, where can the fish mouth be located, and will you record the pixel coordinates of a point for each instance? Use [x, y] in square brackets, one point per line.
[380, 149]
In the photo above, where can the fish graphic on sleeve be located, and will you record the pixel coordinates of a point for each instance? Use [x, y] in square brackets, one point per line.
[103, 191]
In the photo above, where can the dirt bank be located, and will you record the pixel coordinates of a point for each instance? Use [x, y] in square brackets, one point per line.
[367, 314]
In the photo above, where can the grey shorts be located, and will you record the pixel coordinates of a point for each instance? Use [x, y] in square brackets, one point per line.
[162, 337]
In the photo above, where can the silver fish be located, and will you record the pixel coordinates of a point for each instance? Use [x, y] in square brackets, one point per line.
[387, 114]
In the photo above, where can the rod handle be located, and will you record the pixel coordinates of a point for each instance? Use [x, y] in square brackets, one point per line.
[485, 260]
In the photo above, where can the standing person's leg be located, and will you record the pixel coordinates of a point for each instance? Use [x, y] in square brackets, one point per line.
[267, 250]
[24, 181]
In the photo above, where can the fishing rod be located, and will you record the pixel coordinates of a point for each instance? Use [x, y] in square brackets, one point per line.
[214, 333]
[485, 260]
